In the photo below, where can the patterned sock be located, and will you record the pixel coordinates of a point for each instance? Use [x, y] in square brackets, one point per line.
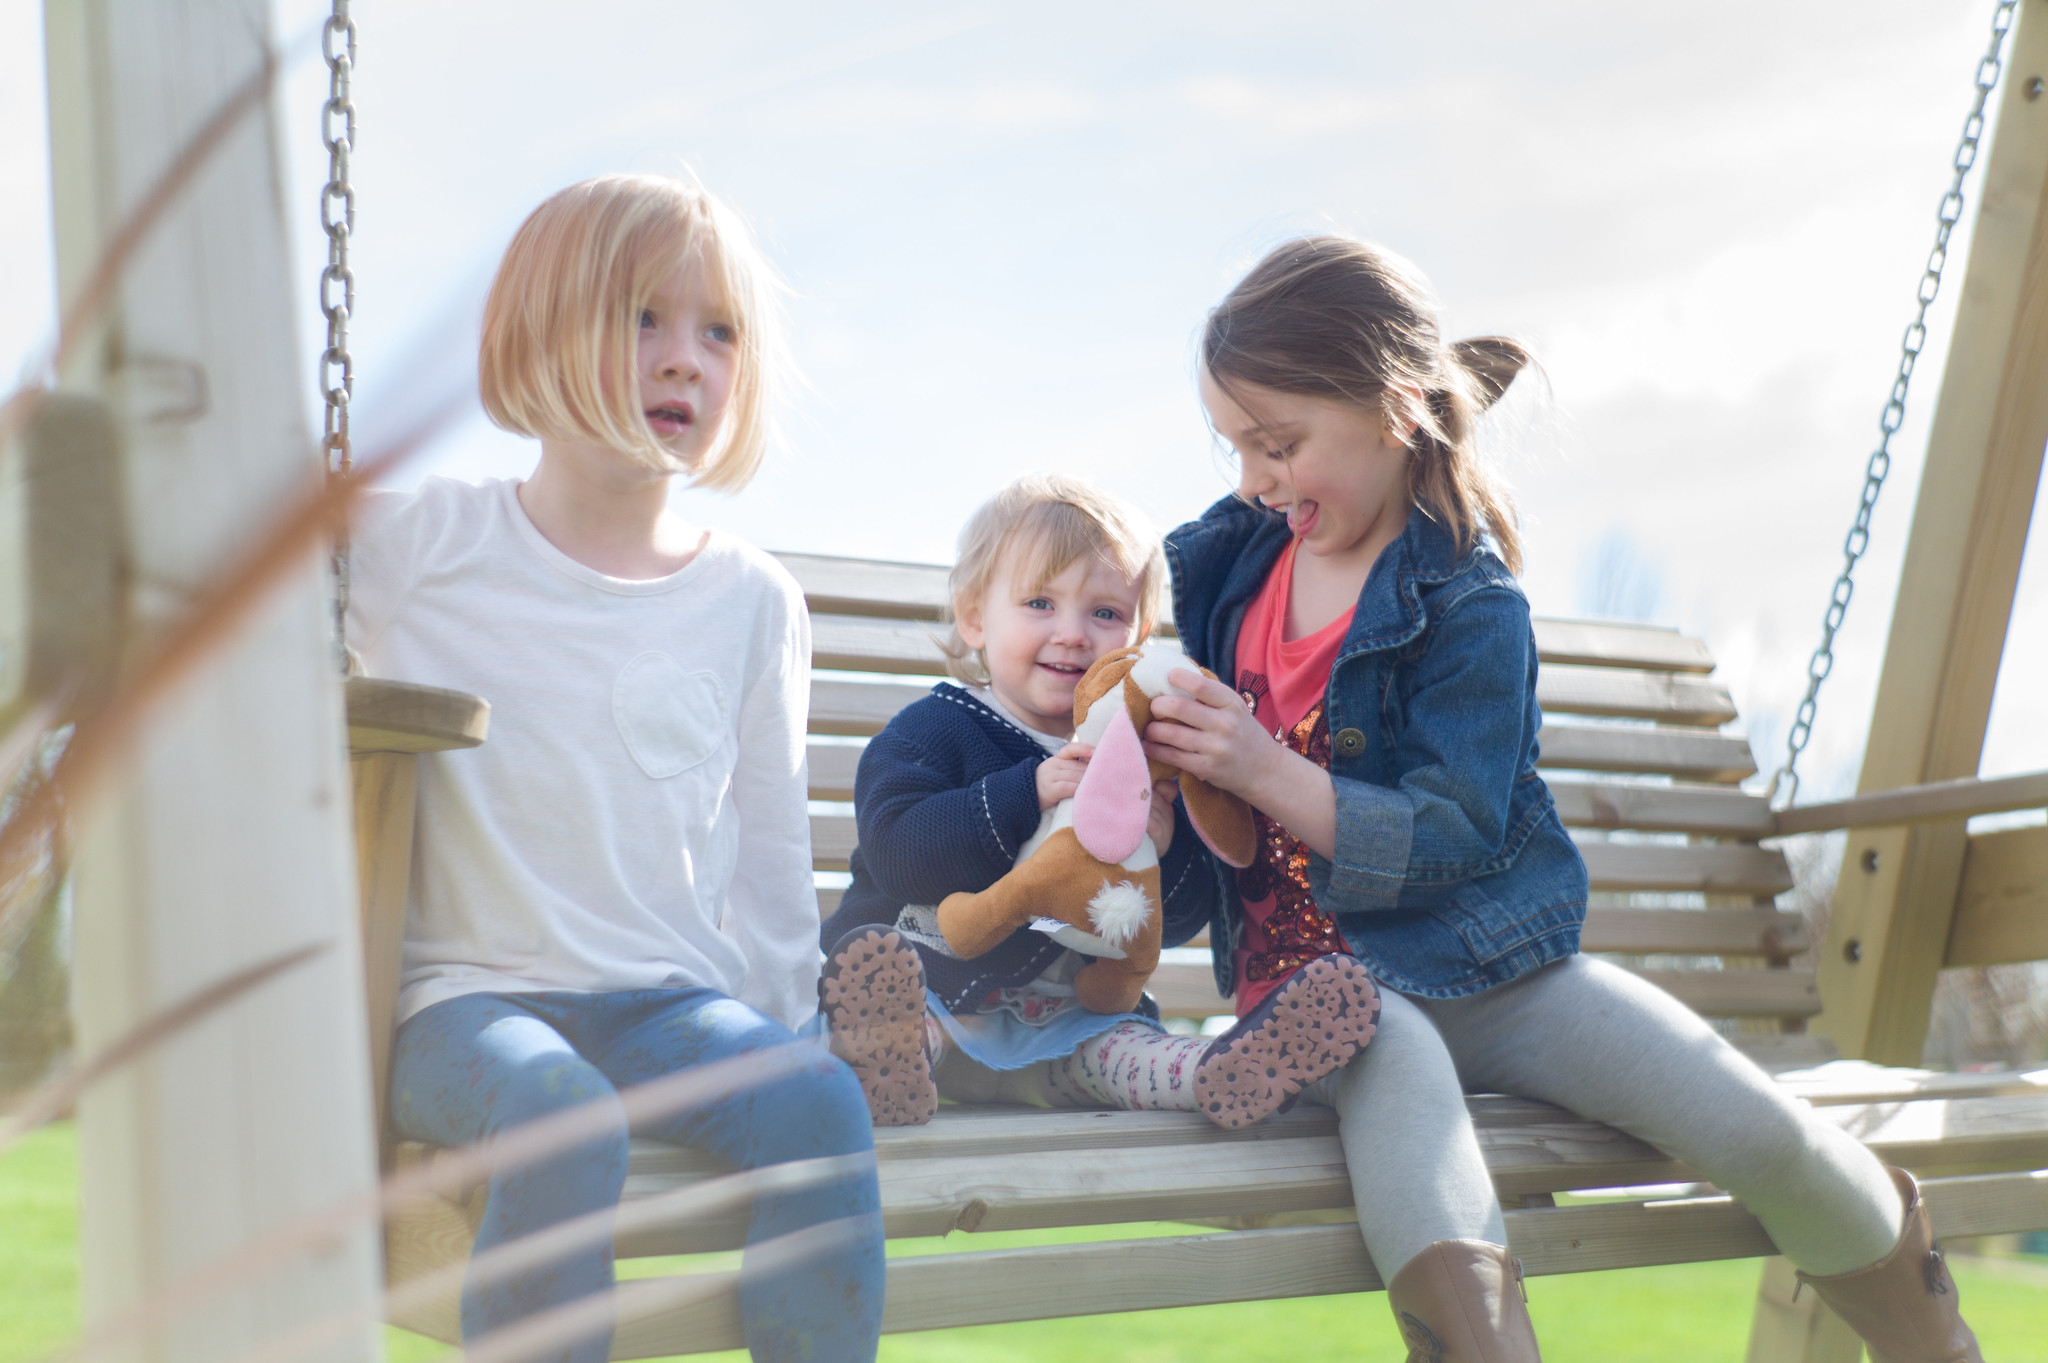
[1132, 1067]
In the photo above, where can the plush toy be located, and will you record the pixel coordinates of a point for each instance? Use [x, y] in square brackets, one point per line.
[1090, 876]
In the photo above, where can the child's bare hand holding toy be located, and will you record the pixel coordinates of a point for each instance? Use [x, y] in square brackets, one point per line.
[1205, 729]
[1059, 776]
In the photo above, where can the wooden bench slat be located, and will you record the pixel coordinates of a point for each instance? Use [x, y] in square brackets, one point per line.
[1729, 868]
[1612, 643]
[1690, 754]
[832, 769]
[863, 586]
[1190, 991]
[860, 708]
[844, 706]
[1741, 993]
[1734, 868]
[950, 1181]
[853, 643]
[1617, 693]
[1683, 754]
[917, 591]
[937, 1291]
[1694, 932]
[1706, 811]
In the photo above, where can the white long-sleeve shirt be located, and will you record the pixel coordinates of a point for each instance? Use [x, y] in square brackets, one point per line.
[637, 818]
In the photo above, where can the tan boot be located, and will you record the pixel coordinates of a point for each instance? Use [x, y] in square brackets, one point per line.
[1460, 1301]
[1904, 1306]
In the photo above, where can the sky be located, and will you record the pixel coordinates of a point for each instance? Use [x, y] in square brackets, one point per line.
[1001, 227]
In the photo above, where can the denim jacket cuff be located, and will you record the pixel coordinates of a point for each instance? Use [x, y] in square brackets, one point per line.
[1375, 827]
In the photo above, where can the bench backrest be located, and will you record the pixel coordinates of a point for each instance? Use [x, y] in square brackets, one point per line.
[1632, 745]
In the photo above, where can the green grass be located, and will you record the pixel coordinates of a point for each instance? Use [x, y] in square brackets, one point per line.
[1695, 1312]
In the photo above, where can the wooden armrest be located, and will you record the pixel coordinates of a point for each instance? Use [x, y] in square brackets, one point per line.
[389, 716]
[1959, 799]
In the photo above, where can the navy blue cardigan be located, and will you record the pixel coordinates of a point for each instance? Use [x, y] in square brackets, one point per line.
[944, 798]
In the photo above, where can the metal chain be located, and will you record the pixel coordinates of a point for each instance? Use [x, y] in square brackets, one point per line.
[337, 281]
[1786, 778]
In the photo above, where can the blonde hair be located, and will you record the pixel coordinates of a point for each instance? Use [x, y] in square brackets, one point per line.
[1049, 522]
[1334, 317]
[561, 326]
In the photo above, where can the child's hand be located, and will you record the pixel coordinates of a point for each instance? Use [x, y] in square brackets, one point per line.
[1159, 819]
[1059, 776]
[1209, 732]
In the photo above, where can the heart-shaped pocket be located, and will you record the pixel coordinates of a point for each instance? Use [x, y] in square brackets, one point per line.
[669, 719]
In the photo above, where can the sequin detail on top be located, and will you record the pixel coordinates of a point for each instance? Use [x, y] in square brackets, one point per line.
[1297, 931]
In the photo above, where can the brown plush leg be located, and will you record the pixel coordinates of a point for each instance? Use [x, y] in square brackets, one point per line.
[1057, 881]
[1107, 985]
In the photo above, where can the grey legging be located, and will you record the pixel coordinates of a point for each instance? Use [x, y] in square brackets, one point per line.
[1593, 1038]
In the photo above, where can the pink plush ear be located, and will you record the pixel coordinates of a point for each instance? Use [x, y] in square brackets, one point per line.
[1115, 793]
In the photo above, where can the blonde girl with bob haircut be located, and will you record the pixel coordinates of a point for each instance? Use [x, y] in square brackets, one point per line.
[617, 887]
[1359, 588]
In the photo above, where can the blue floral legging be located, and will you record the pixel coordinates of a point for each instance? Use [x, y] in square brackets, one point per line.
[481, 1064]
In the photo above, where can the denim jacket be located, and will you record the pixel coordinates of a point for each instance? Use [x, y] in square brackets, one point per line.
[1453, 872]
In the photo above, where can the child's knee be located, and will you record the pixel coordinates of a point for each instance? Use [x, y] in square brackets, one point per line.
[553, 1086]
[819, 1110]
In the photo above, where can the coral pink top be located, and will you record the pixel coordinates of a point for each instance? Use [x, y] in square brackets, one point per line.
[1283, 681]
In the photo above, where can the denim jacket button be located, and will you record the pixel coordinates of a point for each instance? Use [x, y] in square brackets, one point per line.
[1350, 742]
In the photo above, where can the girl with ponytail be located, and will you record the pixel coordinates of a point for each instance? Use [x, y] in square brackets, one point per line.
[1359, 591]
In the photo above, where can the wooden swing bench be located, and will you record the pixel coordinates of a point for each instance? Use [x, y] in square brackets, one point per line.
[1684, 893]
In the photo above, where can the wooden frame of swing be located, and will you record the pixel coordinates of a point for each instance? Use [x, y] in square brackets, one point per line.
[1940, 896]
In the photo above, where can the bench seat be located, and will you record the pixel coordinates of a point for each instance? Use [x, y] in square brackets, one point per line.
[1281, 1190]
[1684, 893]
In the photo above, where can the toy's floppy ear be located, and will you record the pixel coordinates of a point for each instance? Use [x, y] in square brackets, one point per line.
[1223, 821]
[1115, 793]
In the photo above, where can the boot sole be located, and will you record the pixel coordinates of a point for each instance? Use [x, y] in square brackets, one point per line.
[874, 1001]
[1314, 1024]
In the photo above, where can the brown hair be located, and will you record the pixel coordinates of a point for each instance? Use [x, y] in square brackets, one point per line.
[1334, 317]
[1051, 521]
[561, 325]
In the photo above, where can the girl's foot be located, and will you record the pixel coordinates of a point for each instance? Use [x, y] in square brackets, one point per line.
[1307, 1028]
[873, 996]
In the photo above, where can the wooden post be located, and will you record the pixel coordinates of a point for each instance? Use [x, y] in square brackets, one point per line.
[1897, 889]
[227, 842]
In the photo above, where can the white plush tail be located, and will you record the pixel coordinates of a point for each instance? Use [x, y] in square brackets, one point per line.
[1118, 911]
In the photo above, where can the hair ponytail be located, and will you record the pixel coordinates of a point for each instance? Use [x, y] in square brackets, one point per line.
[1339, 318]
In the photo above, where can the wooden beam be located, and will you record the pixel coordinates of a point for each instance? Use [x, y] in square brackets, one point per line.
[2002, 909]
[227, 843]
[941, 1291]
[1897, 889]
[1963, 798]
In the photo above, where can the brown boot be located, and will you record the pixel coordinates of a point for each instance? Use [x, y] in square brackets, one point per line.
[1460, 1301]
[1904, 1305]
